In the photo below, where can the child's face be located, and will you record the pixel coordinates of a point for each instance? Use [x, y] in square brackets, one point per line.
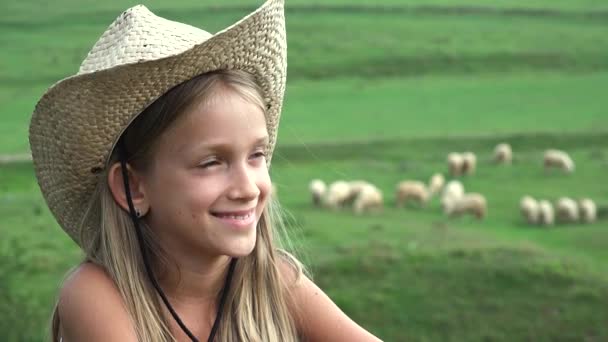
[209, 182]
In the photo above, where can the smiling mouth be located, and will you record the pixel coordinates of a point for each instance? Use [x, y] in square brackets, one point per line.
[233, 216]
[234, 213]
[237, 219]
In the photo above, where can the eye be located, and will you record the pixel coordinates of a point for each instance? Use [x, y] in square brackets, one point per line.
[258, 154]
[209, 163]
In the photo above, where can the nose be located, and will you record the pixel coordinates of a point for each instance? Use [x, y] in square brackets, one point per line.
[243, 185]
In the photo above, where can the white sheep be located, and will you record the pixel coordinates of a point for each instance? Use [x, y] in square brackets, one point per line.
[356, 187]
[587, 210]
[503, 154]
[469, 203]
[454, 188]
[546, 213]
[338, 194]
[566, 210]
[317, 190]
[558, 159]
[369, 198]
[436, 183]
[529, 209]
[469, 163]
[455, 162]
[411, 190]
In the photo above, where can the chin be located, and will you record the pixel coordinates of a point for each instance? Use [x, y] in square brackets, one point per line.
[242, 248]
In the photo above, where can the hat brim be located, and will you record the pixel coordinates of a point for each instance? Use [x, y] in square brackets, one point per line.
[89, 112]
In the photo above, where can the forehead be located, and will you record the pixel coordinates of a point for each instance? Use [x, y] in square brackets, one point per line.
[224, 117]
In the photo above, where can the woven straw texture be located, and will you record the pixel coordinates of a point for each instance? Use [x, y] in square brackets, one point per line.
[78, 121]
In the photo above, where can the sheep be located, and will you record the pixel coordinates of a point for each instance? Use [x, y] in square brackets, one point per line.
[469, 163]
[454, 188]
[461, 164]
[356, 187]
[455, 162]
[469, 203]
[558, 159]
[546, 213]
[436, 183]
[566, 210]
[587, 210]
[368, 198]
[411, 190]
[529, 209]
[337, 195]
[317, 189]
[503, 154]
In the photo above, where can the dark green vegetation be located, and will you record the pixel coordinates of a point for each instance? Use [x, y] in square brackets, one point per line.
[377, 91]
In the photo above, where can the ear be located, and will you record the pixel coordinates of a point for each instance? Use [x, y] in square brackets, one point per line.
[136, 185]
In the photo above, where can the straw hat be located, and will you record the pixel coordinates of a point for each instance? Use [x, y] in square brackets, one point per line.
[78, 121]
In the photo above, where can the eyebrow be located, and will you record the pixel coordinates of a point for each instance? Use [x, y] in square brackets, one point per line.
[226, 146]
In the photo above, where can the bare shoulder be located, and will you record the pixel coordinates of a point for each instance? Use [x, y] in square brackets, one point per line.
[91, 309]
[318, 317]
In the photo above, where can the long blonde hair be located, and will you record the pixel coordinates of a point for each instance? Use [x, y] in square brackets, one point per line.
[257, 306]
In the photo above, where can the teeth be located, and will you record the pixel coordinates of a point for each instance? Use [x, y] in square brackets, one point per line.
[236, 217]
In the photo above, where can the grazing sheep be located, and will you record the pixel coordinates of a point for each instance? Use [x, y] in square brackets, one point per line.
[317, 189]
[337, 195]
[529, 209]
[469, 203]
[411, 191]
[546, 213]
[587, 210]
[558, 159]
[356, 187]
[455, 162]
[566, 210]
[369, 198]
[436, 183]
[454, 188]
[503, 154]
[469, 163]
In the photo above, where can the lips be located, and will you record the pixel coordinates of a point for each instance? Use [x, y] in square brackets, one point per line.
[235, 215]
[240, 219]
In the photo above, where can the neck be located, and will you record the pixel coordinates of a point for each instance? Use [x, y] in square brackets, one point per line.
[193, 282]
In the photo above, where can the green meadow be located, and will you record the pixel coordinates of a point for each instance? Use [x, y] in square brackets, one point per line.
[381, 91]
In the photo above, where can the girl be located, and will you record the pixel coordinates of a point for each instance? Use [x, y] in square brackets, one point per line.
[154, 159]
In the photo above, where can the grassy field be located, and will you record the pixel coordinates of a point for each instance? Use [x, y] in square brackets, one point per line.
[24, 9]
[379, 91]
[452, 65]
[434, 279]
[422, 106]
[413, 270]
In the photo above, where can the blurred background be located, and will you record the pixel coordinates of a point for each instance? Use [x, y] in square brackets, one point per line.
[380, 91]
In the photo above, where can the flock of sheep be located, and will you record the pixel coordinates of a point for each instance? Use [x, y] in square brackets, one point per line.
[566, 210]
[363, 196]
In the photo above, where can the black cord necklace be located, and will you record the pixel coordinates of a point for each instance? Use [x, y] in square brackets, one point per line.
[135, 220]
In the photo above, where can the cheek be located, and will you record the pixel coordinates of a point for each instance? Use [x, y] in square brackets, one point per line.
[264, 183]
[185, 197]
[202, 194]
